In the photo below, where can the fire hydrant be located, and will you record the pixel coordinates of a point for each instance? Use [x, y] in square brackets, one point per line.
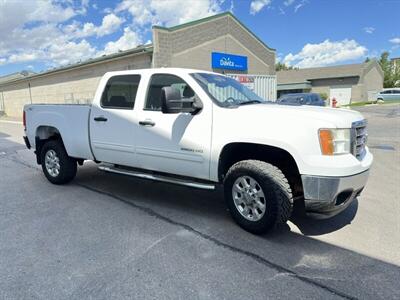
[334, 102]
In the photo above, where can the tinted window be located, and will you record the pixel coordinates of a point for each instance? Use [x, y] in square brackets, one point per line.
[157, 82]
[120, 92]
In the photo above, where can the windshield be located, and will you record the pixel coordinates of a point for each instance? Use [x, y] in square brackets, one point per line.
[225, 91]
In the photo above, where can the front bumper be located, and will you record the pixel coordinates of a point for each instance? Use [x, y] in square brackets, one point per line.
[326, 196]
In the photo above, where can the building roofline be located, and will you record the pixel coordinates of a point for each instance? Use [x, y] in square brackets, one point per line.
[138, 50]
[325, 67]
[206, 19]
[300, 82]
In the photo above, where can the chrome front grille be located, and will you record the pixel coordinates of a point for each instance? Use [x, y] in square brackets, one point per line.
[359, 138]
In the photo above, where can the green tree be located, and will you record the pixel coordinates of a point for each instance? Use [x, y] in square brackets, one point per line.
[391, 72]
[283, 67]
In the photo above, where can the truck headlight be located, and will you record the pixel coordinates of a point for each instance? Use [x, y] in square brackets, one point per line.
[334, 141]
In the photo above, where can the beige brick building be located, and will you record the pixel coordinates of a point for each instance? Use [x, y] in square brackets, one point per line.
[346, 83]
[189, 45]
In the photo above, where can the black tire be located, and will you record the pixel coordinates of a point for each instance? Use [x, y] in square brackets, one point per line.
[277, 191]
[67, 164]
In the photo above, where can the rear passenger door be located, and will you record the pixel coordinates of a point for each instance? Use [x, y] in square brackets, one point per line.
[112, 125]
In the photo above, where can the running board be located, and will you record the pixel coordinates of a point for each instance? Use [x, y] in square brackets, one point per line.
[157, 177]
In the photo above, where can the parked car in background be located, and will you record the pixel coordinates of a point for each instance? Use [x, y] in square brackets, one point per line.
[301, 99]
[389, 95]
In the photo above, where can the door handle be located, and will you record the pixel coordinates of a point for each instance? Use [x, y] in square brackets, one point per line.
[147, 122]
[100, 119]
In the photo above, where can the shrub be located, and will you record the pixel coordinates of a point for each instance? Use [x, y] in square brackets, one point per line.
[324, 96]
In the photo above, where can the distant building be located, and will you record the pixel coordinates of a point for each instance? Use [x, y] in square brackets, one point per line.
[346, 83]
[219, 43]
[395, 62]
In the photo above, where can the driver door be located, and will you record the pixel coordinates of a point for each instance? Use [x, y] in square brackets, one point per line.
[173, 143]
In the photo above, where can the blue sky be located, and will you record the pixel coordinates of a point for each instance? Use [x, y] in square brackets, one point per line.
[37, 35]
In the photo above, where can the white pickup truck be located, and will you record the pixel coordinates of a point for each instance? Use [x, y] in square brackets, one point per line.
[200, 129]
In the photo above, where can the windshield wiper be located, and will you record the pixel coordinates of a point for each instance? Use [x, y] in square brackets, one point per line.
[251, 102]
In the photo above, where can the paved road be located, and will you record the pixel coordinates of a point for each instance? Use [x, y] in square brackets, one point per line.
[105, 236]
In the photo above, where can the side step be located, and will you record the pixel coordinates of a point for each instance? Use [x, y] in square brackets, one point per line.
[157, 177]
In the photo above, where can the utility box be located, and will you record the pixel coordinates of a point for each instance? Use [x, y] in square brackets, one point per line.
[263, 85]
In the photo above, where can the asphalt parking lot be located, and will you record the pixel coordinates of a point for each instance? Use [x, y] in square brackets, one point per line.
[105, 236]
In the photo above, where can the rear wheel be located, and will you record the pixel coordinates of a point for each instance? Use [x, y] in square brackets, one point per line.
[57, 166]
[258, 195]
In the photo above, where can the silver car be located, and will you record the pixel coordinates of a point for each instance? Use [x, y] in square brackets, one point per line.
[389, 95]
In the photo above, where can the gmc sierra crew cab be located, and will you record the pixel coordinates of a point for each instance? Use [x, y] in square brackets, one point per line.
[201, 129]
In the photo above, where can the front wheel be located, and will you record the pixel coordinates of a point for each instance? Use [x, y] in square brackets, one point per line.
[258, 195]
[57, 166]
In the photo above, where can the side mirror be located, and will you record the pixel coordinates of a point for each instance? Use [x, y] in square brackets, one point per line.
[173, 103]
[171, 100]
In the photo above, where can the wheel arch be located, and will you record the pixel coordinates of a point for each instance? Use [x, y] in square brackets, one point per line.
[281, 158]
[43, 134]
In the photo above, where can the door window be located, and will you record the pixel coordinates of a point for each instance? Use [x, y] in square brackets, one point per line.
[120, 92]
[157, 82]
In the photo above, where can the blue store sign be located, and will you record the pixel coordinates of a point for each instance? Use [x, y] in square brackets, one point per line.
[228, 61]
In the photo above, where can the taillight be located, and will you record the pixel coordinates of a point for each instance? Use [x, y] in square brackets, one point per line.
[24, 120]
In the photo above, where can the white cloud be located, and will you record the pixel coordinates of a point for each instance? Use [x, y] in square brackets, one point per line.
[60, 52]
[49, 11]
[326, 53]
[15, 13]
[110, 24]
[70, 52]
[300, 5]
[369, 30]
[49, 32]
[22, 57]
[128, 40]
[30, 30]
[257, 5]
[395, 40]
[288, 2]
[168, 13]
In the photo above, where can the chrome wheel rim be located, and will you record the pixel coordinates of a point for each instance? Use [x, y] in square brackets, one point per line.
[52, 163]
[249, 198]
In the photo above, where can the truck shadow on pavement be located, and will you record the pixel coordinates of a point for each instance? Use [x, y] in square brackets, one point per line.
[209, 203]
[311, 226]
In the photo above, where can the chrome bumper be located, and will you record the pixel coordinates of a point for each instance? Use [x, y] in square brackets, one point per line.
[327, 196]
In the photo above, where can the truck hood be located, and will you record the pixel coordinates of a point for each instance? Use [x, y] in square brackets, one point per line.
[339, 118]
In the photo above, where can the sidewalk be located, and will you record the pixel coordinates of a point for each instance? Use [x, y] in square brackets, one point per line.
[12, 120]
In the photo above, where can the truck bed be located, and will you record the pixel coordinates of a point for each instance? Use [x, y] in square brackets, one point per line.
[71, 120]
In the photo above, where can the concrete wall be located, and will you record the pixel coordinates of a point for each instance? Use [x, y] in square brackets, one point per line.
[324, 85]
[200, 57]
[372, 83]
[77, 85]
[191, 46]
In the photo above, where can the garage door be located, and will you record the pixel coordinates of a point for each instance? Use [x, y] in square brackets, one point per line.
[342, 95]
